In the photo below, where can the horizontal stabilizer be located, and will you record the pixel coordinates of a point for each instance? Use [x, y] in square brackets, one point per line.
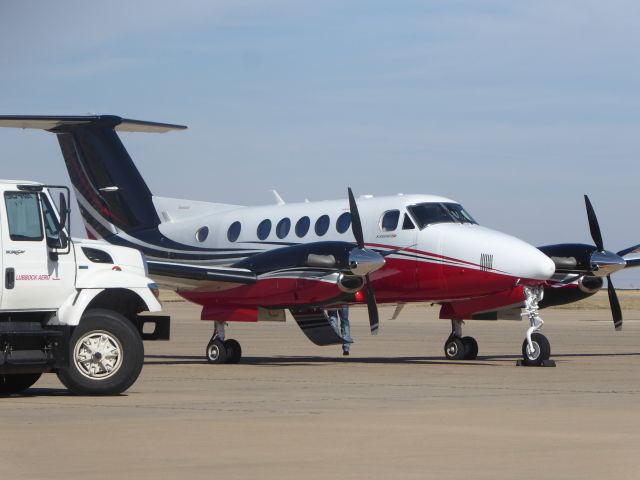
[53, 122]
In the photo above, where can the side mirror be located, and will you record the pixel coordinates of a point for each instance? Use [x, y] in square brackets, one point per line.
[64, 211]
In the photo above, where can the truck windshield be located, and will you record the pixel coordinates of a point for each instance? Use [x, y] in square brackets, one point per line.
[51, 224]
[430, 213]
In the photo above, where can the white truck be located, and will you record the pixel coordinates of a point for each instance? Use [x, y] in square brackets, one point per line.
[72, 307]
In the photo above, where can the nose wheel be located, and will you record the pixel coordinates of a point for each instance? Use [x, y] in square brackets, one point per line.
[541, 351]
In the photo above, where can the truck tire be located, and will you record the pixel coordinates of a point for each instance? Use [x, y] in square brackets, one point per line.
[106, 355]
[16, 383]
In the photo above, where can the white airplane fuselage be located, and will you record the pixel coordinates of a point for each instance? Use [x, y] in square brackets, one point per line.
[439, 262]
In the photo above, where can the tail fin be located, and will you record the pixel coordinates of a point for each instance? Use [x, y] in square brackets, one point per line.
[111, 193]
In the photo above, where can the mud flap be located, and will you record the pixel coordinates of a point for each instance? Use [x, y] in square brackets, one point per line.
[318, 327]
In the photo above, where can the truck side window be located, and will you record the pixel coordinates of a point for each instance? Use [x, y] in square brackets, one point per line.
[51, 224]
[23, 215]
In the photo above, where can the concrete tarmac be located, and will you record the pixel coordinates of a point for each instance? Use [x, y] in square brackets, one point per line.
[394, 409]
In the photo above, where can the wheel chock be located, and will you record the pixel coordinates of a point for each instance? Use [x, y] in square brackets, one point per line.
[545, 363]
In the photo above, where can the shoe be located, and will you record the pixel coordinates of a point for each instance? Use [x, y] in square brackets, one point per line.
[345, 353]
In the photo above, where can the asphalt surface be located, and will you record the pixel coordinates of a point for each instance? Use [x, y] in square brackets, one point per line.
[394, 409]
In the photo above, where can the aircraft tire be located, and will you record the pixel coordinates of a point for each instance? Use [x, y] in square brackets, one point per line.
[234, 350]
[542, 350]
[106, 355]
[471, 348]
[454, 349]
[216, 352]
[16, 383]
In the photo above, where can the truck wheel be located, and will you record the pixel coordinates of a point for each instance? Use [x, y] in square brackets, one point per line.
[17, 383]
[106, 355]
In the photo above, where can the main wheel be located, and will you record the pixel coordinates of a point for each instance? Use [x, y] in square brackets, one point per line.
[471, 348]
[106, 355]
[17, 383]
[541, 350]
[454, 349]
[234, 350]
[216, 352]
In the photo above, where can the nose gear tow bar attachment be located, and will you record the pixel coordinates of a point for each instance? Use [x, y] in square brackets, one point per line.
[536, 349]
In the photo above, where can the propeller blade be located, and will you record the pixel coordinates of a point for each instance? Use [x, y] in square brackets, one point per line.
[616, 311]
[372, 306]
[356, 224]
[627, 251]
[593, 225]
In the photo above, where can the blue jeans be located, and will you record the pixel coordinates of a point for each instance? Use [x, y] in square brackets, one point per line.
[345, 327]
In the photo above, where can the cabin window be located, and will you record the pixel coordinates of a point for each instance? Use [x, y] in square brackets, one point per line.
[202, 233]
[283, 227]
[302, 226]
[234, 231]
[264, 229]
[389, 220]
[322, 225]
[344, 222]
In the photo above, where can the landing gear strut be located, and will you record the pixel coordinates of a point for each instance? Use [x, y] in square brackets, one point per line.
[220, 350]
[458, 347]
[536, 349]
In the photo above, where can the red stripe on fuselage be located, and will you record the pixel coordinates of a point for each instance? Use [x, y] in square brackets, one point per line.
[399, 280]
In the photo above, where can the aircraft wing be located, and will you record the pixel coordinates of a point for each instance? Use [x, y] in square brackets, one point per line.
[182, 275]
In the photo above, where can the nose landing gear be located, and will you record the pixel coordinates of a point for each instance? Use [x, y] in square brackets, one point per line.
[536, 349]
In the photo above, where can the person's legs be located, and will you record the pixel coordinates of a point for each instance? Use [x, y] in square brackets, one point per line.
[345, 329]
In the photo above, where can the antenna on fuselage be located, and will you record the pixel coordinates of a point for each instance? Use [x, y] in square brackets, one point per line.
[277, 196]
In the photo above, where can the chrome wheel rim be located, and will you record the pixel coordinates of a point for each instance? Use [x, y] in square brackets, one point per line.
[213, 352]
[98, 355]
[452, 349]
[536, 351]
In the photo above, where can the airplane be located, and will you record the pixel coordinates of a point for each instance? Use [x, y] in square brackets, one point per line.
[249, 264]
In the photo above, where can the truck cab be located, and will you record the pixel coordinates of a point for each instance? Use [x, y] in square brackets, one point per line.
[70, 306]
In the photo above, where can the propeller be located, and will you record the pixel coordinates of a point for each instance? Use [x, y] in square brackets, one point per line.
[607, 261]
[356, 228]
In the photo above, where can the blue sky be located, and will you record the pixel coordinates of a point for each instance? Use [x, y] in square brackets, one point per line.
[514, 108]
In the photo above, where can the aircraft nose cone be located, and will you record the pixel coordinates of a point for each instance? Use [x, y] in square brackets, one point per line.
[541, 267]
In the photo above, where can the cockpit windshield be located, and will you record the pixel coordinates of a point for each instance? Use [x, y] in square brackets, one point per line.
[430, 213]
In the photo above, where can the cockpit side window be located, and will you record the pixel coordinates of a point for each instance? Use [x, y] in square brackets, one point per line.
[429, 213]
[407, 224]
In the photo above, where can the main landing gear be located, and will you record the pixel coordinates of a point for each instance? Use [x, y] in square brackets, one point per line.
[536, 349]
[220, 350]
[458, 347]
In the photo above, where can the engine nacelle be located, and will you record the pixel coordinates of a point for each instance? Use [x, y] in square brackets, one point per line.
[350, 283]
[585, 287]
[590, 285]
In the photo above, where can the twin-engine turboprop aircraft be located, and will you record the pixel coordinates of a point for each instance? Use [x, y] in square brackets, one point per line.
[249, 264]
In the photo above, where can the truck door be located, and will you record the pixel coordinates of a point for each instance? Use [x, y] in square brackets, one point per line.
[32, 279]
